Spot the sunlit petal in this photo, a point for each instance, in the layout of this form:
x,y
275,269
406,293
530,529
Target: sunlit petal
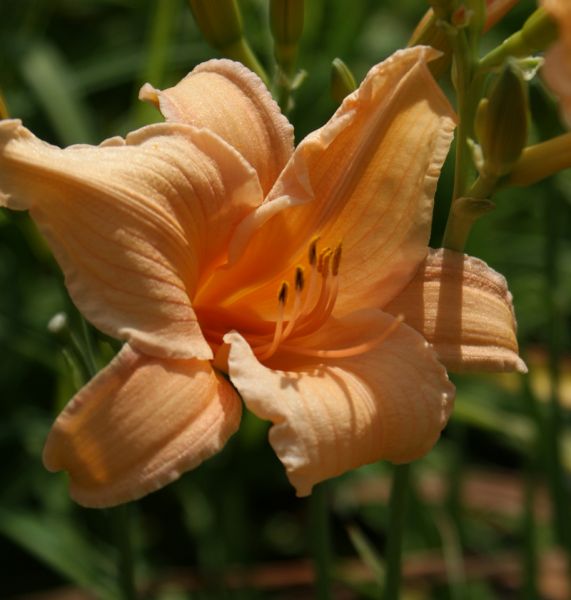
x,y
330,415
231,101
367,179
134,224
140,424
465,310
557,67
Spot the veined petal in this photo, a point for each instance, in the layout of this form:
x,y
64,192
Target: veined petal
x,y
465,310
557,67
138,425
334,414
230,100
135,224
367,179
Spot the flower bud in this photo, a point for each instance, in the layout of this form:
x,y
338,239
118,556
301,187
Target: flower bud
x,y
220,22
441,7
502,121
342,80
286,24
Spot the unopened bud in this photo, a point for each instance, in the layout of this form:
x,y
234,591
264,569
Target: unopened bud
x,y
502,122
442,7
342,80
286,23
478,12
220,22
431,31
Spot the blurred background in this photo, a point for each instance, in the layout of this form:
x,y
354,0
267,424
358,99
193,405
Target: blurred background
x,y
488,514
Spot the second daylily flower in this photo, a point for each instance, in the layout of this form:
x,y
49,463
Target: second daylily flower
x,y
212,248
557,67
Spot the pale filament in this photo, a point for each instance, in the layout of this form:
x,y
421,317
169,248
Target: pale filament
x,y
308,313
271,349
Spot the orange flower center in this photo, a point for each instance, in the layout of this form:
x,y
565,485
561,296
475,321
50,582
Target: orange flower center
x,y
305,303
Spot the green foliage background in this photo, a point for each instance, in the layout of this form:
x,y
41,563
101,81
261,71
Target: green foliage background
x,y
71,70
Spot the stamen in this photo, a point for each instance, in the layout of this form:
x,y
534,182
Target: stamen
x,y
312,254
321,259
267,351
336,260
280,333
311,307
351,350
283,293
299,279
326,261
327,295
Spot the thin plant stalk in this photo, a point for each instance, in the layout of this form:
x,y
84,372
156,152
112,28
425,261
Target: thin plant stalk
x,y
321,540
120,516
397,513
162,21
121,522
530,551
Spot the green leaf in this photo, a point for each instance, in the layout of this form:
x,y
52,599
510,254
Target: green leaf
x,y
50,77
367,552
57,542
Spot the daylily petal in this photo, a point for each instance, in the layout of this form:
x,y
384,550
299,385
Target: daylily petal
x,y
230,100
366,179
464,309
334,414
138,425
135,224
557,67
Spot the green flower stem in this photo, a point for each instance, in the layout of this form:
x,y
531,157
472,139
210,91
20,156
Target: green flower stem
x,y
161,23
466,111
397,512
464,212
321,540
529,550
530,536
536,34
283,90
88,349
242,52
121,520
468,83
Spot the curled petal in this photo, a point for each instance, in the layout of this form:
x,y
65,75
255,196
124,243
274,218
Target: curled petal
x,y
135,224
230,100
138,425
330,415
465,310
366,179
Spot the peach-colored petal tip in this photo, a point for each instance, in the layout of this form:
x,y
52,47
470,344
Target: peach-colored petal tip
x,y
138,425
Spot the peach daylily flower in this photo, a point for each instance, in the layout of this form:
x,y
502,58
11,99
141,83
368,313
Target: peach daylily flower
x,y
217,253
557,67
